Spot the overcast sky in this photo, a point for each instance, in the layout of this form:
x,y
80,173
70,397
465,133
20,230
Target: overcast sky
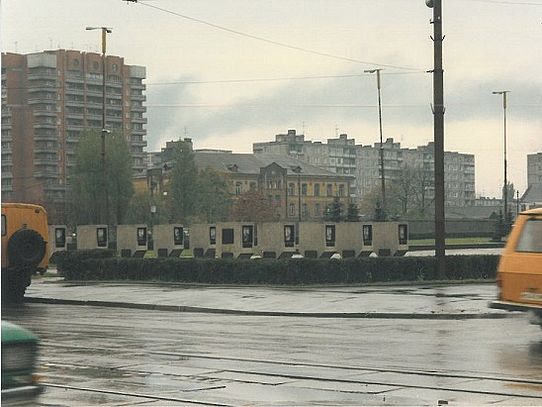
x,y
315,51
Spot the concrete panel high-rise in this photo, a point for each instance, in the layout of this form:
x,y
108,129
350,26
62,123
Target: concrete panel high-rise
x,y
342,156
534,169
48,99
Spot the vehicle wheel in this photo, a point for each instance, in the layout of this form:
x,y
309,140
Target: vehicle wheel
x,y
26,247
13,292
18,294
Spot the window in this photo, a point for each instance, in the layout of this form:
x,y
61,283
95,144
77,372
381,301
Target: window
x,y
253,186
403,234
330,235
531,237
278,201
305,211
317,210
341,190
291,209
227,236
291,189
304,189
316,189
238,186
367,231
247,235
329,190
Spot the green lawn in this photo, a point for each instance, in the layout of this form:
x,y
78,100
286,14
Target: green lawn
x,y
451,241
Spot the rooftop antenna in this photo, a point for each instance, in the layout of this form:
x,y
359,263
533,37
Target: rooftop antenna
x,y
336,130
303,127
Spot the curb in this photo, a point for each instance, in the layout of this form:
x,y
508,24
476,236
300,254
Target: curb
x,y
202,310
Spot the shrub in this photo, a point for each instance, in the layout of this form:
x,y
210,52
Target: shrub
x,y
102,265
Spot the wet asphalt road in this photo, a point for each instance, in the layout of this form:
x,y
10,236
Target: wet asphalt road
x,y
115,356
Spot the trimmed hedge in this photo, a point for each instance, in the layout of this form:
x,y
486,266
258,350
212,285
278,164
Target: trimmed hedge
x,y
68,259
277,272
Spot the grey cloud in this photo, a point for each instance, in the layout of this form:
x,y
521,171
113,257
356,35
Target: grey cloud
x,y
406,100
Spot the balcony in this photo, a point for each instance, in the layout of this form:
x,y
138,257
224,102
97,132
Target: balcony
x,y
45,137
139,131
75,115
44,113
74,91
43,88
45,161
42,75
70,77
46,149
139,143
32,100
142,120
45,126
138,97
44,174
138,108
74,102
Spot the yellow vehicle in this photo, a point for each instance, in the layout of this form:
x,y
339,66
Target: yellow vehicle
x,y
24,247
519,275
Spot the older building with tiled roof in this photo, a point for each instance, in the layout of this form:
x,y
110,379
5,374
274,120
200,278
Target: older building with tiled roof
x,y
294,188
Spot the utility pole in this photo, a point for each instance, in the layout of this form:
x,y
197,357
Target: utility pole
x,y
105,31
382,178
505,189
438,122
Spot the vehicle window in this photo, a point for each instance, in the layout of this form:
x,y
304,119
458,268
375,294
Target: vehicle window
x,y
531,237
3,225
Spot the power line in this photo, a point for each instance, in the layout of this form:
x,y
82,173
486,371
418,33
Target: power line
x,y
293,78
222,106
506,2
241,80
277,43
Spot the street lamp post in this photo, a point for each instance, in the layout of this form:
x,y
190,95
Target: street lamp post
x,y
105,31
505,190
438,137
382,179
297,170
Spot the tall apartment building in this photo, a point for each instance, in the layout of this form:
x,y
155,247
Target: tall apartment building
x,y
48,99
342,156
534,168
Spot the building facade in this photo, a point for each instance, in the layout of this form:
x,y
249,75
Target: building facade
x,y
534,168
295,189
337,156
48,99
342,156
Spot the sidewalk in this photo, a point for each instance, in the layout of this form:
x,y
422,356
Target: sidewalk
x,y
437,302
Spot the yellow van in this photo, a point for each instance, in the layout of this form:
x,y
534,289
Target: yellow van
x,y
24,247
519,275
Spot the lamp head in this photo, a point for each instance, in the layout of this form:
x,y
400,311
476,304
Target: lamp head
x,y
429,3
